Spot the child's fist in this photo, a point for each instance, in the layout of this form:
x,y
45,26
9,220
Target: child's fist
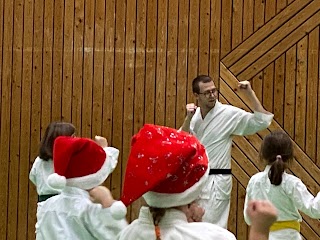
x,y
101,141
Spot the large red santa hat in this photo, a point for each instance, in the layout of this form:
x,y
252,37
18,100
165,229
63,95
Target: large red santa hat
x,y
165,166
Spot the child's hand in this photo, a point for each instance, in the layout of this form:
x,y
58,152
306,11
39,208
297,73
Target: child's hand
x,y
101,141
262,215
101,195
194,213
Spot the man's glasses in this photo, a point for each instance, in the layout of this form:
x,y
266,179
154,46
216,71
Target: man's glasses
x,y
207,94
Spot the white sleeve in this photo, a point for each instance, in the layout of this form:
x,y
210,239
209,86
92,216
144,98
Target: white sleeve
x,y
33,172
249,123
101,223
112,158
246,201
305,201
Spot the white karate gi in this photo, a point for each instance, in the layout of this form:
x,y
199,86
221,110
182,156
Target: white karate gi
x,y
173,225
289,197
71,215
215,132
38,175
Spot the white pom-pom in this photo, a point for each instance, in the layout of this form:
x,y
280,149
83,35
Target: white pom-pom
x,y
56,181
118,210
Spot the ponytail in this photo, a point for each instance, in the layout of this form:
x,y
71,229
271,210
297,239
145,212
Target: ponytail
x,y
157,214
276,171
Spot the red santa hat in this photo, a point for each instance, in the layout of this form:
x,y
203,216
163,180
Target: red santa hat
x,y
167,167
82,163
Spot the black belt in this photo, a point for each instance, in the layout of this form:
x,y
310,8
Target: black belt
x,y
42,198
219,171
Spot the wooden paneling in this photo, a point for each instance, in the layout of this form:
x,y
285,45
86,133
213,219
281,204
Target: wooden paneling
x,y
111,66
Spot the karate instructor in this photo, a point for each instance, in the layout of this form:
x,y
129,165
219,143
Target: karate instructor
x,y
214,124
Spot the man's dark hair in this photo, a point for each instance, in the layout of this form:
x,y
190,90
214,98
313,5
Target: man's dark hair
x,y
197,80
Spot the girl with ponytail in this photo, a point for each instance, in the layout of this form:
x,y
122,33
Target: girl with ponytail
x,y
287,192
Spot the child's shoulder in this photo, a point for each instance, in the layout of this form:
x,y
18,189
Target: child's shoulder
x,y
290,178
258,175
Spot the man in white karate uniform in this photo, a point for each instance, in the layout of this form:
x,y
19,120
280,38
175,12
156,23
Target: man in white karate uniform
x,y
214,124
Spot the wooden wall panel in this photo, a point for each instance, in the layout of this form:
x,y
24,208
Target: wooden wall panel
x,y
171,83
6,79
111,66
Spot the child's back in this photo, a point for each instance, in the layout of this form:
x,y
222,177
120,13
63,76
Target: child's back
x,y
83,210
287,192
43,164
72,215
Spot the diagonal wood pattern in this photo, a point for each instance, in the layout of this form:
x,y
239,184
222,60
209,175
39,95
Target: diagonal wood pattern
x,y
111,66
247,60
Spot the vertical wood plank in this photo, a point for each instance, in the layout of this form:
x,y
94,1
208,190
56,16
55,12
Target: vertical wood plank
x,y
37,64
270,9
118,92
281,4
88,65
259,7
5,114
232,221
215,43
237,23
248,7
67,68
151,61
318,122
171,76
15,102
1,43
46,87
290,85
139,83
300,113
256,84
129,79
193,46
311,93
279,83
182,67
204,36
24,225
98,64
268,76
226,27
108,76
57,61
242,229
162,39
78,48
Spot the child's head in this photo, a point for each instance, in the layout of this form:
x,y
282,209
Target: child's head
x,y
167,167
54,130
276,150
81,163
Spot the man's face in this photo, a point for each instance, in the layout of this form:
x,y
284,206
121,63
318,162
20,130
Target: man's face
x,y
207,95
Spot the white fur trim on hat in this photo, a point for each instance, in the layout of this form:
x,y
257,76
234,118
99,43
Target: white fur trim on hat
x,y
167,200
96,179
56,181
118,210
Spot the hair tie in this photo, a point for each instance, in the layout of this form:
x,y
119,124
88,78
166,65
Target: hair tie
x,y
157,230
278,157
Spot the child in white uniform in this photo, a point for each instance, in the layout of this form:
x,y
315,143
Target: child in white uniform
x,y
169,169
43,164
287,192
84,209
